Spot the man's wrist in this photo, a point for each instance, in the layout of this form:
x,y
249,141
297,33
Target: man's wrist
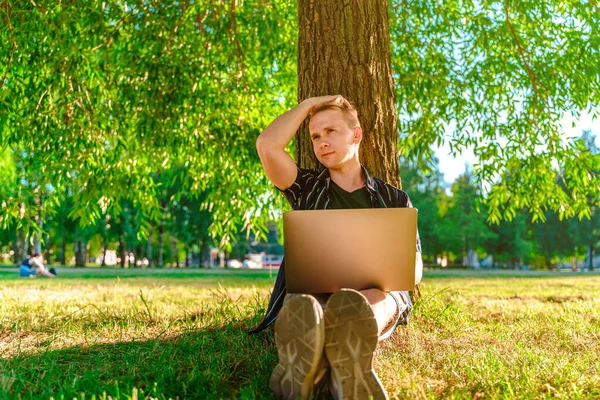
x,y
310,102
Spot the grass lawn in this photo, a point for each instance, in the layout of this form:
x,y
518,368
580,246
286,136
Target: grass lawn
x,y
183,335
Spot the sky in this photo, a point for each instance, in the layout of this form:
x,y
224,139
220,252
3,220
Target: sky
x,y
452,167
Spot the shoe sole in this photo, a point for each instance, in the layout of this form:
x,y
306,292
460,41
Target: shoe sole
x,y
299,336
351,336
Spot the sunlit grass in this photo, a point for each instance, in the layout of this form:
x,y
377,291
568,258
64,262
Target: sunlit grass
x,y
184,336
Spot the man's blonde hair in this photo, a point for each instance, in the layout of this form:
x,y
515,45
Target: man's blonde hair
x,y
347,108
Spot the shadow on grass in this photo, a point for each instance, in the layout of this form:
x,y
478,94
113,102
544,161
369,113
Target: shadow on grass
x,y
215,362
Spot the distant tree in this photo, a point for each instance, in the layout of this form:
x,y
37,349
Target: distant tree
x,y
511,243
589,229
191,228
469,228
553,238
8,189
425,188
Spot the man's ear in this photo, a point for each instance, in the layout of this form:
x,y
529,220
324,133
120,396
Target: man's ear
x,y
358,134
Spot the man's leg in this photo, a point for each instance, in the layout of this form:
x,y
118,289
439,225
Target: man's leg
x,y
384,307
299,336
353,323
391,309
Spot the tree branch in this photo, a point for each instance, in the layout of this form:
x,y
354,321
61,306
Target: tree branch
x,y
13,47
234,37
108,40
532,76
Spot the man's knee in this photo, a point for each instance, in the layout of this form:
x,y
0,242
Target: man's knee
x,y
374,296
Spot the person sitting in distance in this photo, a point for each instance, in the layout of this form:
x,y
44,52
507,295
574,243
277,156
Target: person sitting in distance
x,y
34,266
313,332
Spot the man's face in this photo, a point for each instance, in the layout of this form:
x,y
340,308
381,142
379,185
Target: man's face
x,y
334,142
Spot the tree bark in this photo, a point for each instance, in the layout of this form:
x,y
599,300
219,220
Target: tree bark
x,y
344,48
63,247
161,234
591,243
174,252
47,247
104,249
87,252
80,252
18,246
122,251
203,250
26,247
37,242
149,248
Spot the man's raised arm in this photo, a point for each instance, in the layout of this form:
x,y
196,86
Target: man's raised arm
x,y
279,166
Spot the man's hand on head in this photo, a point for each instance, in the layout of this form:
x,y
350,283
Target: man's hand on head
x,y
317,101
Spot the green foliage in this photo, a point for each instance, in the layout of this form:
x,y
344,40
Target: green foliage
x,y
469,228
497,78
511,243
8,174
426,191
98,99
106,94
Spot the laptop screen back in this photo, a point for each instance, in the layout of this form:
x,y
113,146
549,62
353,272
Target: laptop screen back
x,y
327,250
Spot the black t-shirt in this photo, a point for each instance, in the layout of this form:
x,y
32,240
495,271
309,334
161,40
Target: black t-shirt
x,y
28,263
341,199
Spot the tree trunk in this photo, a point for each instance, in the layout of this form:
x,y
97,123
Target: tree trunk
x,y
138,254
63,247
149,248
80,252
104,231
344,48
37,243
122,251
26,239
203,250
47,247
161,234
18,246
466,253
104,249
591,243
174,252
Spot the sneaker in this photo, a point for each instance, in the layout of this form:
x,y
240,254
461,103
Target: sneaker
x,y
351,336
299,336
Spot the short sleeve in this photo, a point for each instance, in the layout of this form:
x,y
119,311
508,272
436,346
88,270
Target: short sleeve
x,y
293,194
408,204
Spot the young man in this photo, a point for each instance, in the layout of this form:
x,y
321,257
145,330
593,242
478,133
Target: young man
x,y
337,332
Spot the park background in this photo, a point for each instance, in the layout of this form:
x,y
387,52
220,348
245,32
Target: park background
x,y
131,127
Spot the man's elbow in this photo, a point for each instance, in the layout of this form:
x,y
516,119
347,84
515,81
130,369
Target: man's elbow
x,y
418,268
266,147
262,144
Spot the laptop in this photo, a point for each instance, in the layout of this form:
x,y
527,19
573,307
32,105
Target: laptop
x,y
327,250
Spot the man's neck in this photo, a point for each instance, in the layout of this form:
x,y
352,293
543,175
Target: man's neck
x,y
349,177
